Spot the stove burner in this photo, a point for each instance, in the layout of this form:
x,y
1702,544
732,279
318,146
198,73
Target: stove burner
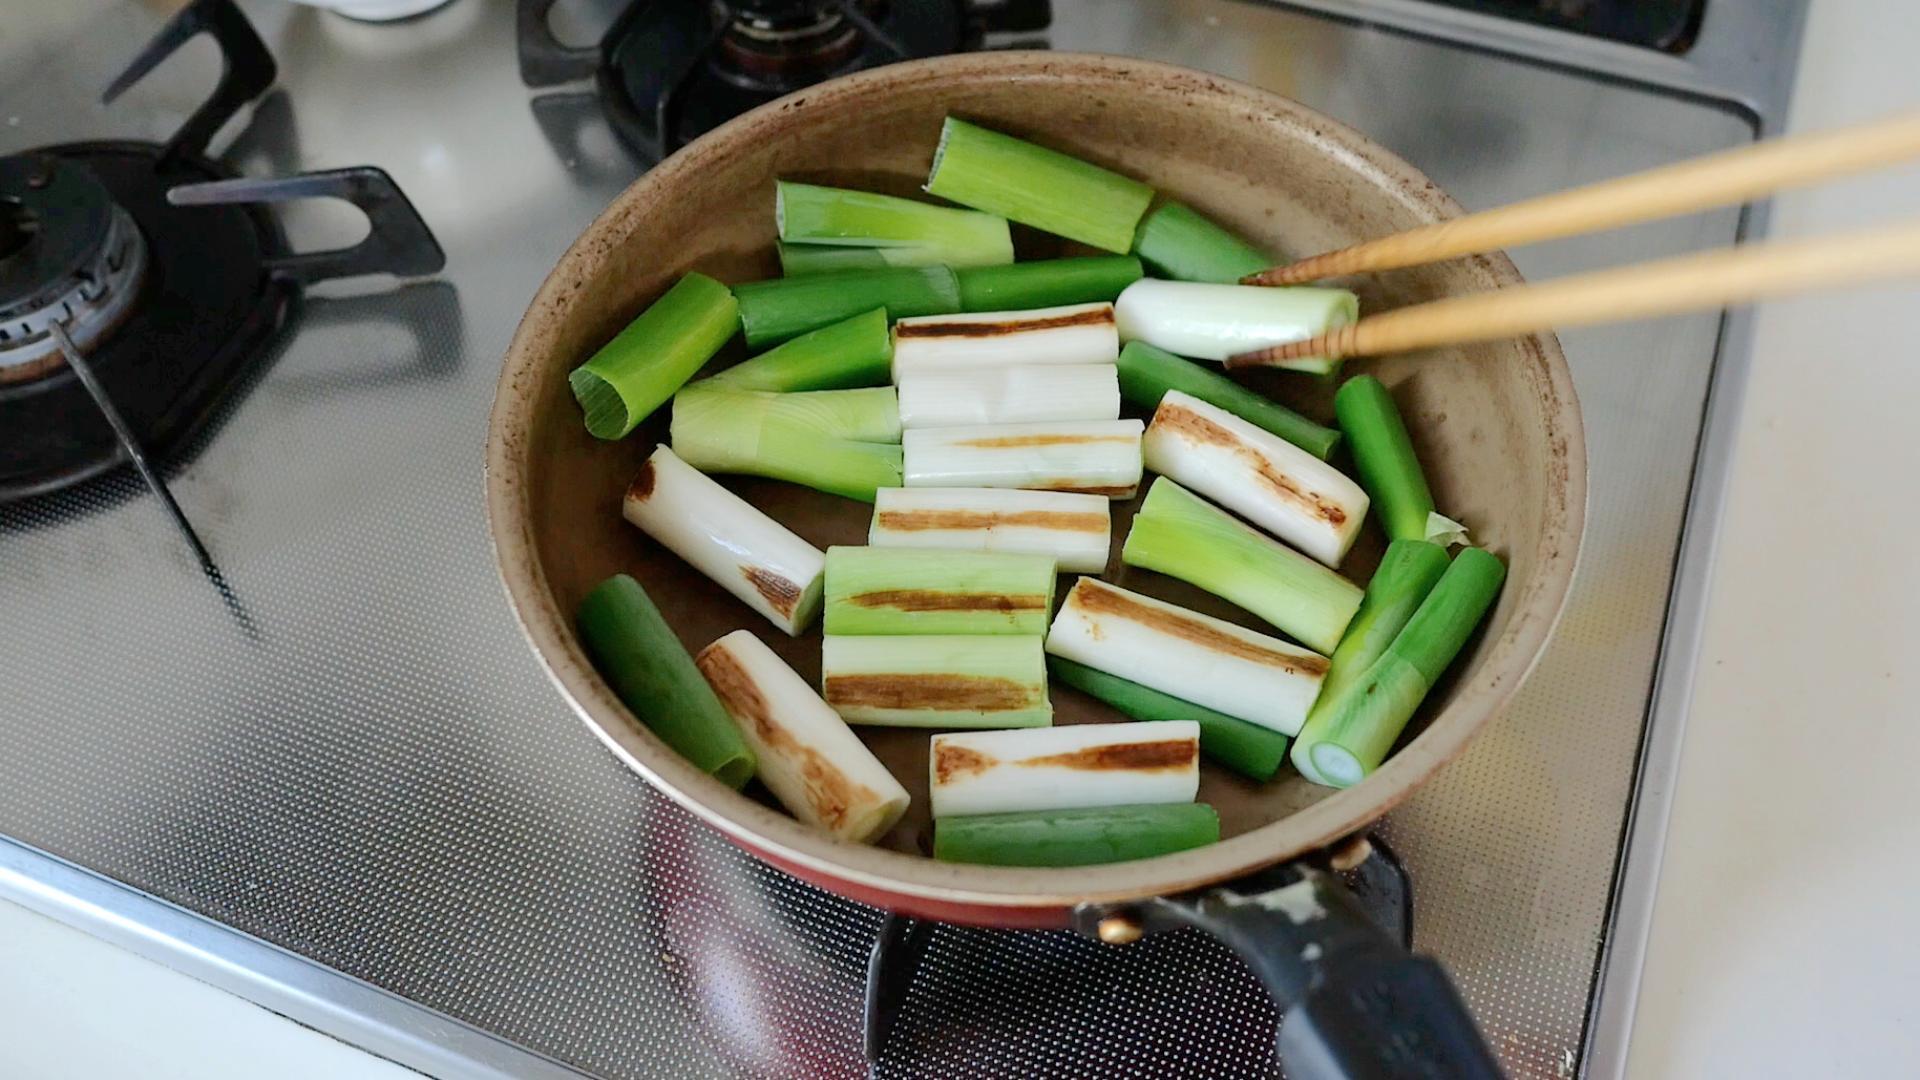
x,y
668,72
69,254
165,277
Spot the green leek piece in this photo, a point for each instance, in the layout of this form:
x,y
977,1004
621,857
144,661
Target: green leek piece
x,y
947,681
1147,373
1248,749
1084,837
1182,535
838,441
852,352
1035,186
1047,283
798,260
1181,244
1352,734
881,590
643,365
811,214
1383,456
641,658
774,310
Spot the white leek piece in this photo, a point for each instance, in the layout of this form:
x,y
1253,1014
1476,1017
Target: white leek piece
x,y
1256,474
811,761
938,681
951,397
1193,657
1074,334
724,537
1064,768
1213,322
1074,529
1099,457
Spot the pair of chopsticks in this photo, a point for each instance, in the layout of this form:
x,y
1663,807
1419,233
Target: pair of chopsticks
x,y
1688,283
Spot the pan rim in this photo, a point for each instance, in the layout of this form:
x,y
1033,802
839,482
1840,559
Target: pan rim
x,y
913,877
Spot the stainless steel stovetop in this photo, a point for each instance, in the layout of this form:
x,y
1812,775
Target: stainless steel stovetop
x,y
378,818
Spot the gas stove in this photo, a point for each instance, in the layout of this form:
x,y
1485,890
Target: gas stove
x,y
365,808
667,72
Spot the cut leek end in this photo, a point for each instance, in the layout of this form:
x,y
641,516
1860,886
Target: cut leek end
x,y
1445,531
1346,312
606,411
1336,765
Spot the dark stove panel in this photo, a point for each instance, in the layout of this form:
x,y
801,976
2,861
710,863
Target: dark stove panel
x,y
1667,25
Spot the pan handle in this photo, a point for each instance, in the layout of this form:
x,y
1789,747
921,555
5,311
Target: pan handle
x,y
1355,1003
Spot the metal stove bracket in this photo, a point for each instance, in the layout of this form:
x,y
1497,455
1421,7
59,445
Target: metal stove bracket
x,y
397,243
246,70
544,61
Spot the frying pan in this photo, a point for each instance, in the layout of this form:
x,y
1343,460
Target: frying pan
x,y
1496,425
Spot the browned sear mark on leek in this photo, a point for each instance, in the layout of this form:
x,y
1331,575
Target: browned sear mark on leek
x,y
1099,316
642,487
925,520
1099,600
1010,442
1162,756
780,593
830,794
933,600
956,693
1111,491
950,761
1185,421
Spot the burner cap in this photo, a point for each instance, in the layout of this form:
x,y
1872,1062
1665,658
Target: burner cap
x,y
68,254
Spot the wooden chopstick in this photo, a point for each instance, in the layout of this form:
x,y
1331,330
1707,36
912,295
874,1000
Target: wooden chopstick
x,y
1723,179
1707,280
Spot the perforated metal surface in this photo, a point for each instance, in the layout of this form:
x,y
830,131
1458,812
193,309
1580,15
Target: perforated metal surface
x,y
383,782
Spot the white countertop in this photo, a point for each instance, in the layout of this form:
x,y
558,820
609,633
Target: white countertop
x,y
1781,942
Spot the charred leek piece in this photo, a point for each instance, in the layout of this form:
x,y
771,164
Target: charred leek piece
x,y
780,308
637,653
852,352
643,365
1256,474
1061,768
838,441
1098,457
1213,322
1046,282
1352,735
1181,244
811,214
1085,837
1069,528
1248,749
1147,373
1009,395
1049,190
936,681
724,537
878,590
1179,534
1383,455
1079,334
811,761
1194,657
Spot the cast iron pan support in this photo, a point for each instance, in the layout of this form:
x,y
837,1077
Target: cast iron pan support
x,y
246,70
398,241
1355,1003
